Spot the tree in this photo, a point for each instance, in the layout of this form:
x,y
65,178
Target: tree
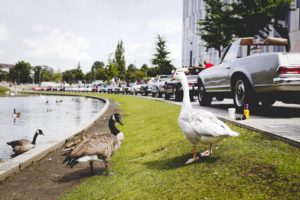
x,y
73,75
152,71
20,73
212,29
47,73
120,60
160,57
37,74
254,17
98,65
130,73
242,18
3,75
57,76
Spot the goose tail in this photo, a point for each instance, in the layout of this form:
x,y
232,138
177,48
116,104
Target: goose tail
x,y
71,161
234,134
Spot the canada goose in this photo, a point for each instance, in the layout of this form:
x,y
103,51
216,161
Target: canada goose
x,y
23,145
98,147
199,126
16,114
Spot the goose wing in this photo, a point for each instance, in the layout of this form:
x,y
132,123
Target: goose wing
x,y
205,123
101,145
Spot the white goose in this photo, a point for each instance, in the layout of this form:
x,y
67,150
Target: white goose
x,y
199,126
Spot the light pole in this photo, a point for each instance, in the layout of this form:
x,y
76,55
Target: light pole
x,y
18,80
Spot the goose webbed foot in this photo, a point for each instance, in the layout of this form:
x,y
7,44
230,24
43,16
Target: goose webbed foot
x,y
205,153
191,160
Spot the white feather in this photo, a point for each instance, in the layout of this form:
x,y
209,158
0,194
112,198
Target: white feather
x,y
199,125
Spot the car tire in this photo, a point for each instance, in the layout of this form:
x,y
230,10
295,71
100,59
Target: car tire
x,y
153,94
159,95
203,98
220,98
243,93
167,96
178,95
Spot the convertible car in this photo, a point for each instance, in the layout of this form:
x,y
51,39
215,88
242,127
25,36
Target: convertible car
x,y
253,72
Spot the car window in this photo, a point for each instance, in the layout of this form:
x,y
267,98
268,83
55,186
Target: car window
x,y
232,53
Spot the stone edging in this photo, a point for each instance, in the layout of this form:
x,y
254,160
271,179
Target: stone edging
x,y
26,159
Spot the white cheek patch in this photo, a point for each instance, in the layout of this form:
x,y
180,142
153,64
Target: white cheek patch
x,y
113,118
120,136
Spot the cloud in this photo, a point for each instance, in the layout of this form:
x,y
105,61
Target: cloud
x,y
4,33
64,45
138,54
166,26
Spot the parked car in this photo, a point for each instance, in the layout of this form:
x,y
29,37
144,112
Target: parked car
x,y
146,88
136,88
250,74
174,88
157,88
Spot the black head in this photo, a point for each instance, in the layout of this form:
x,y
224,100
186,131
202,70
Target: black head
x,y
117,118
40,132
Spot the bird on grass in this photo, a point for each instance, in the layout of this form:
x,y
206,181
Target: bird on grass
x,y
23,145
199,126
98,147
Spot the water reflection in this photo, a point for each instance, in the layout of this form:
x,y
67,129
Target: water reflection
x,y
53,114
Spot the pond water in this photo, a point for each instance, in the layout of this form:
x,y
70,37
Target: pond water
x,y
54,115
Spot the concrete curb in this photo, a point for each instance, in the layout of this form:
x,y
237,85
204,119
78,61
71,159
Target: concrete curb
x,y
270,134
24,160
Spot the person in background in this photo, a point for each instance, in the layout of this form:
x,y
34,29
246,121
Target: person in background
x,y
207,64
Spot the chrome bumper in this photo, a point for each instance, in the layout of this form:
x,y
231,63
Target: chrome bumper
x,y
286,84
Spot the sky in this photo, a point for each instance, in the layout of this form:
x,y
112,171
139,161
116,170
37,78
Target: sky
x,y
62,33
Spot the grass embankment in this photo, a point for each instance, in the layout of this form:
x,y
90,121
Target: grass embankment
x,y
150,163
3,89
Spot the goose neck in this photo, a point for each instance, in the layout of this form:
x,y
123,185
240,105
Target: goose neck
x,y
34,138
186,93
112,127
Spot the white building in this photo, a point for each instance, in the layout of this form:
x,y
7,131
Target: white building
x,y
193,48
293,22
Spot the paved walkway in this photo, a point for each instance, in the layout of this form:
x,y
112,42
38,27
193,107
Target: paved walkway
x,y
281,120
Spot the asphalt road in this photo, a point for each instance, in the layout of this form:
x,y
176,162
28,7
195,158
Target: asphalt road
x,y
281,120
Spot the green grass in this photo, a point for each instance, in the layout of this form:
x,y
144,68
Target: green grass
x,y
150,163
3,89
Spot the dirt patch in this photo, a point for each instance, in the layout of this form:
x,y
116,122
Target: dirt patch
x,y
49,178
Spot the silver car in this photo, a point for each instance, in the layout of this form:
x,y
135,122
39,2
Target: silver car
x,y
250,74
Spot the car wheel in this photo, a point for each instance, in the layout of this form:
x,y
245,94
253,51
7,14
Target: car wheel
x,y
203,98
243,94
220,98
267,102
153,94
167,96
159,94
178,95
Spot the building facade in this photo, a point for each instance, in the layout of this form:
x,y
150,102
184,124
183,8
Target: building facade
x,y
293,23
193,48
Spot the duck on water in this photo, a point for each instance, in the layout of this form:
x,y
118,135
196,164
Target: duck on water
x,y
23,145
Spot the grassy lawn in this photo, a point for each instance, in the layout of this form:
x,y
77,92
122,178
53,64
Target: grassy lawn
x,y
3,89
150,163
